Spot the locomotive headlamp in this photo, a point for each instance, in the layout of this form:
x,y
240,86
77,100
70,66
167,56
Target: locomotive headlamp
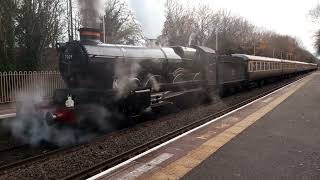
x,y
69,102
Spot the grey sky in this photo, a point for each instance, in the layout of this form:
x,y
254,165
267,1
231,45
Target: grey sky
x,y
283,16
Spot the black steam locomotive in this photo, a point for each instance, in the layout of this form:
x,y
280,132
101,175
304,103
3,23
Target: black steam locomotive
x,y
131,79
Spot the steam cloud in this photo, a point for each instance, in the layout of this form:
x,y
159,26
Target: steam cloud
x,y
91,11
31,128
126,74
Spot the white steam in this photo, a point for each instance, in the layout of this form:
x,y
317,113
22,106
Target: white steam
x,y
91,12
126,74
31,128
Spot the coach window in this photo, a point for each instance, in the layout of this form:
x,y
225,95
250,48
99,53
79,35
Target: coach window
x,y
253,66
260,66
265,66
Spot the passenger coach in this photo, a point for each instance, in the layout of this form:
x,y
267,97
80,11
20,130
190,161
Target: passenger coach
x,y
239,70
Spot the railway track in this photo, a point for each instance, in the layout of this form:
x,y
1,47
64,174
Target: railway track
x,y
109,163
22,154
4,150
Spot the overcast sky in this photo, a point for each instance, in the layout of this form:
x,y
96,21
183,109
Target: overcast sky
x,y
283,16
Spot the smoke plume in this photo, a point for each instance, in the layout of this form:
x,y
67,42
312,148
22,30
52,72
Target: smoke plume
x,y
91,12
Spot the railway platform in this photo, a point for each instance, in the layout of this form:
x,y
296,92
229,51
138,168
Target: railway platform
x,y
274,137
7,110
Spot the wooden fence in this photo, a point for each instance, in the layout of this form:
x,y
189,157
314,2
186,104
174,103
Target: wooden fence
x,y
41,83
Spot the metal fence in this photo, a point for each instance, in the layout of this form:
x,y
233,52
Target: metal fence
x,y
41,83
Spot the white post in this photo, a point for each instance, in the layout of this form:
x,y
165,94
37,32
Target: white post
x,y
217,41
273,53
104,29
71,19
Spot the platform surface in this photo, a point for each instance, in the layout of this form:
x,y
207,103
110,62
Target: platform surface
x,y
284,144
275,137
7,110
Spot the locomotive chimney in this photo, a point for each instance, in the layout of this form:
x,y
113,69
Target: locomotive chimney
x,y
89,34
91,12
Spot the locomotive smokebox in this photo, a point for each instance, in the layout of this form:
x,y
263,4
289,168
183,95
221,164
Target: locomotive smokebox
x,y
90,35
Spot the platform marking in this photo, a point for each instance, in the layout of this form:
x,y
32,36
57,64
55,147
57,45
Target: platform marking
x,y
182,166
146,167
108,171
207,135
268,100
6,116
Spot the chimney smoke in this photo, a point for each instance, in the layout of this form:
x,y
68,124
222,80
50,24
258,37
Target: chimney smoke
x,y
91,12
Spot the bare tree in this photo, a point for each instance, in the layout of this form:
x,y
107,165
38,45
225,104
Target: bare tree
x,y
179,26
7,29
315,15
120,24
38,27
185,26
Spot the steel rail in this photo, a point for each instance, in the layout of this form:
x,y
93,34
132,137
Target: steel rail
x,y
31,159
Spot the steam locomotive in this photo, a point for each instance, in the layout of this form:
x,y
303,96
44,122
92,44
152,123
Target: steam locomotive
x,y
131,79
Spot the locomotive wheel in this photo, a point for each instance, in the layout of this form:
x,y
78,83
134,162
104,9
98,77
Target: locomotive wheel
x,y
196,77
223,91
178,78
178,71
153,81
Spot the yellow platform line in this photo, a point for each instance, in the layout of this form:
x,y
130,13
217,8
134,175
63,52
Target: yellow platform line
x,y
182,166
